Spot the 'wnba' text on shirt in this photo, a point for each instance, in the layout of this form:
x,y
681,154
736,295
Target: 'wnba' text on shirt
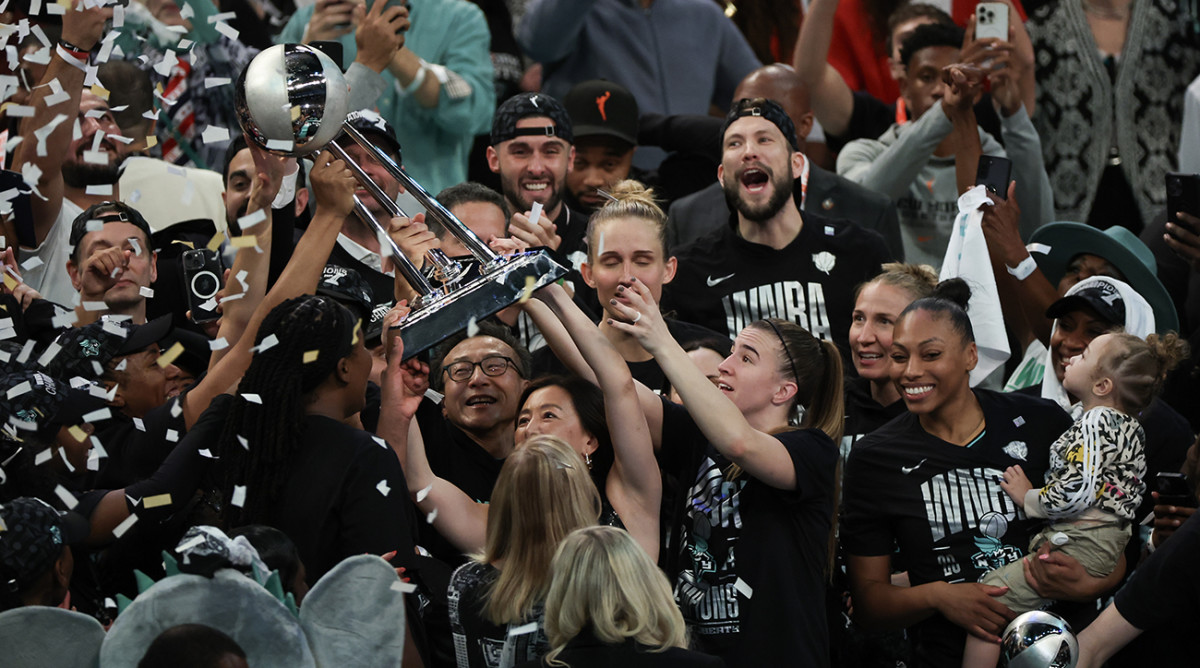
x,y
787,300
963,499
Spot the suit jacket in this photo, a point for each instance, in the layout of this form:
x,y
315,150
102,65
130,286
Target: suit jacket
x,y
585,651
829,195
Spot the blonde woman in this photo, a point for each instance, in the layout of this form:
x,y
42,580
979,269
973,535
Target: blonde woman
x,y
608,605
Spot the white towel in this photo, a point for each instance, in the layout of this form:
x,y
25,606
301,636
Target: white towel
x,y
967,258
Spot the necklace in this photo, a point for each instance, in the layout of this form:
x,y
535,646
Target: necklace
x,y
1108,13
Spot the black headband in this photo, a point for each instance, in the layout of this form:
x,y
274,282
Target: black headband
x,y
782,342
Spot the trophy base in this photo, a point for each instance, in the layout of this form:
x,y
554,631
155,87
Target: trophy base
x,y
439,318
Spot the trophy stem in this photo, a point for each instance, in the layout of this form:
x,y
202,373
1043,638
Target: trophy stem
x,y
433,208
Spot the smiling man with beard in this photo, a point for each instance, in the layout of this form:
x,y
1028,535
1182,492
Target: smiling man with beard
x,y
771,260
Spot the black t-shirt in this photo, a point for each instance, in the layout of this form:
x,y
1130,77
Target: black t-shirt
x,y
725,282
767,607
345,496
941,505
138,446
863,414
479,642
648,372
1162,598
454,457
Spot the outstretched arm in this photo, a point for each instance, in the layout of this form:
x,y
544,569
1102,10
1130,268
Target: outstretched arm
x,y
760,454
831,98
634,485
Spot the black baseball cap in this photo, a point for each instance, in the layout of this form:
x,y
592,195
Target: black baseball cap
x,y
32,539
529,105
86,351
768,109
34,401
107,212
349,288
370,123
1103,297
602,108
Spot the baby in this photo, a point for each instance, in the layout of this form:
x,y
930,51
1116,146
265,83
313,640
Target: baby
x,y
1094,484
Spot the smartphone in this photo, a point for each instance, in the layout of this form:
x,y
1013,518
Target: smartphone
x,y
993,173
332,49
1173,490
202,272
991,20
1183,194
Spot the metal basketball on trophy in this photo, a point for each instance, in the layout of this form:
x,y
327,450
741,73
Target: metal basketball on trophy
x,y
1039,639
292,100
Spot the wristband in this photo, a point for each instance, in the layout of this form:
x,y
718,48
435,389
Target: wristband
x,y
74,49
418,79
79,62
1024,269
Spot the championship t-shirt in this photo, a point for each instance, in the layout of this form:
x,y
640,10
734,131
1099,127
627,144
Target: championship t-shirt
x,y
863,414
725,282
480,642
941,506
752,558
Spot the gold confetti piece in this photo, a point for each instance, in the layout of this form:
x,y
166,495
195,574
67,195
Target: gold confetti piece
x,y
295,112
9,282
355,334
151,141
156,501
100,91
528,291
215,242
311,356
77,433
244,241
169,356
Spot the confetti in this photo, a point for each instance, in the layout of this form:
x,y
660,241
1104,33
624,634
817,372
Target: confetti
x,y
530,282
62,454
1019,420
146,292
383,487
218,344
382,443
431,516
66,497
252,398
137,246
156,501
277,145
204,452
422,494
472,327
77,433
102,92
95,306
239,496
311,356
97,415
124,526
176,407
745,589
251,219
151,140
268,343
244,241
213,82
227,30
95,157
403,587
214,134
172,436
138,424
43,457
50,353
19,389
245,443
168,357
93,225
524,629
18,110
535,213
100,189
32,263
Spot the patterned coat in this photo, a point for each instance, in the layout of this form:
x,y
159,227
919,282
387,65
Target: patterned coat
x,y
1079,107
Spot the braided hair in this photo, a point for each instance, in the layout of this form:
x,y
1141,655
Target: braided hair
x,y
284,376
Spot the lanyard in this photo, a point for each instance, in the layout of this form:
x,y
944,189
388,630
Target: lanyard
x,y
803,181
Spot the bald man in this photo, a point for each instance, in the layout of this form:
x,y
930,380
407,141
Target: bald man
x,y
830,195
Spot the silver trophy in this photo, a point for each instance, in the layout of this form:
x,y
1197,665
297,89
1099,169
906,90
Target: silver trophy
x,y
292,100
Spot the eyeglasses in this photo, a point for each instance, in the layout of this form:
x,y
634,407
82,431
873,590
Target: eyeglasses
x,y
492,365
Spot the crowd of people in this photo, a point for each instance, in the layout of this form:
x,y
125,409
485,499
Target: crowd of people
x,y
817,387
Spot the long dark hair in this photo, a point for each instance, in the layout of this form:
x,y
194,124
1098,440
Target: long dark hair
x,y
284,382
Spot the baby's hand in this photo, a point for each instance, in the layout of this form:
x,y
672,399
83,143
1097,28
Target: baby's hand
x,y
1015,484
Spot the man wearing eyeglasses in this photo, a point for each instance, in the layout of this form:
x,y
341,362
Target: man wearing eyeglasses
x,y
470,434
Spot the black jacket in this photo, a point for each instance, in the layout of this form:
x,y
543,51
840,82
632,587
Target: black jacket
x,y
585,651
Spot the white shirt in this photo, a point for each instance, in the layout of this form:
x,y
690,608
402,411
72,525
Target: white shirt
x,y
50,277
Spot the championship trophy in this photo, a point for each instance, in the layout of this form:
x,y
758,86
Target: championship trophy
x,y
292,100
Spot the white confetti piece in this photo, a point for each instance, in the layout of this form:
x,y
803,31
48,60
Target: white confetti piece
x,y
252,398
189,544
137,245
213,82
251,219
176,408
1038,248
382,443
93,225
97,415
146,292
95,157
535,213
1019,420
745,589
164,66
94,306
19,389
383,487
62,454
66,497
209,305
276,145
49,354
172,436
227,30
431,516
239,496
218,344
205,453
43,457
403,587
523,629
19,111
268,343
472,327
214,134
124,526
423,493
32,263
101,189
138,424
244,442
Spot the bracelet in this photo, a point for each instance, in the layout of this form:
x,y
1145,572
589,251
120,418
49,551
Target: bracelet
x,y
418,78
78,62
74,49
1024,269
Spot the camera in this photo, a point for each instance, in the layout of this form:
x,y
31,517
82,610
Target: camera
x,y
202,273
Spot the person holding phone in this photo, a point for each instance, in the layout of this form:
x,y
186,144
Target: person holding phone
x,y
424,64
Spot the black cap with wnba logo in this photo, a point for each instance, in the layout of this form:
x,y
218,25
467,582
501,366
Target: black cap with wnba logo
x,y
528,105
603,108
